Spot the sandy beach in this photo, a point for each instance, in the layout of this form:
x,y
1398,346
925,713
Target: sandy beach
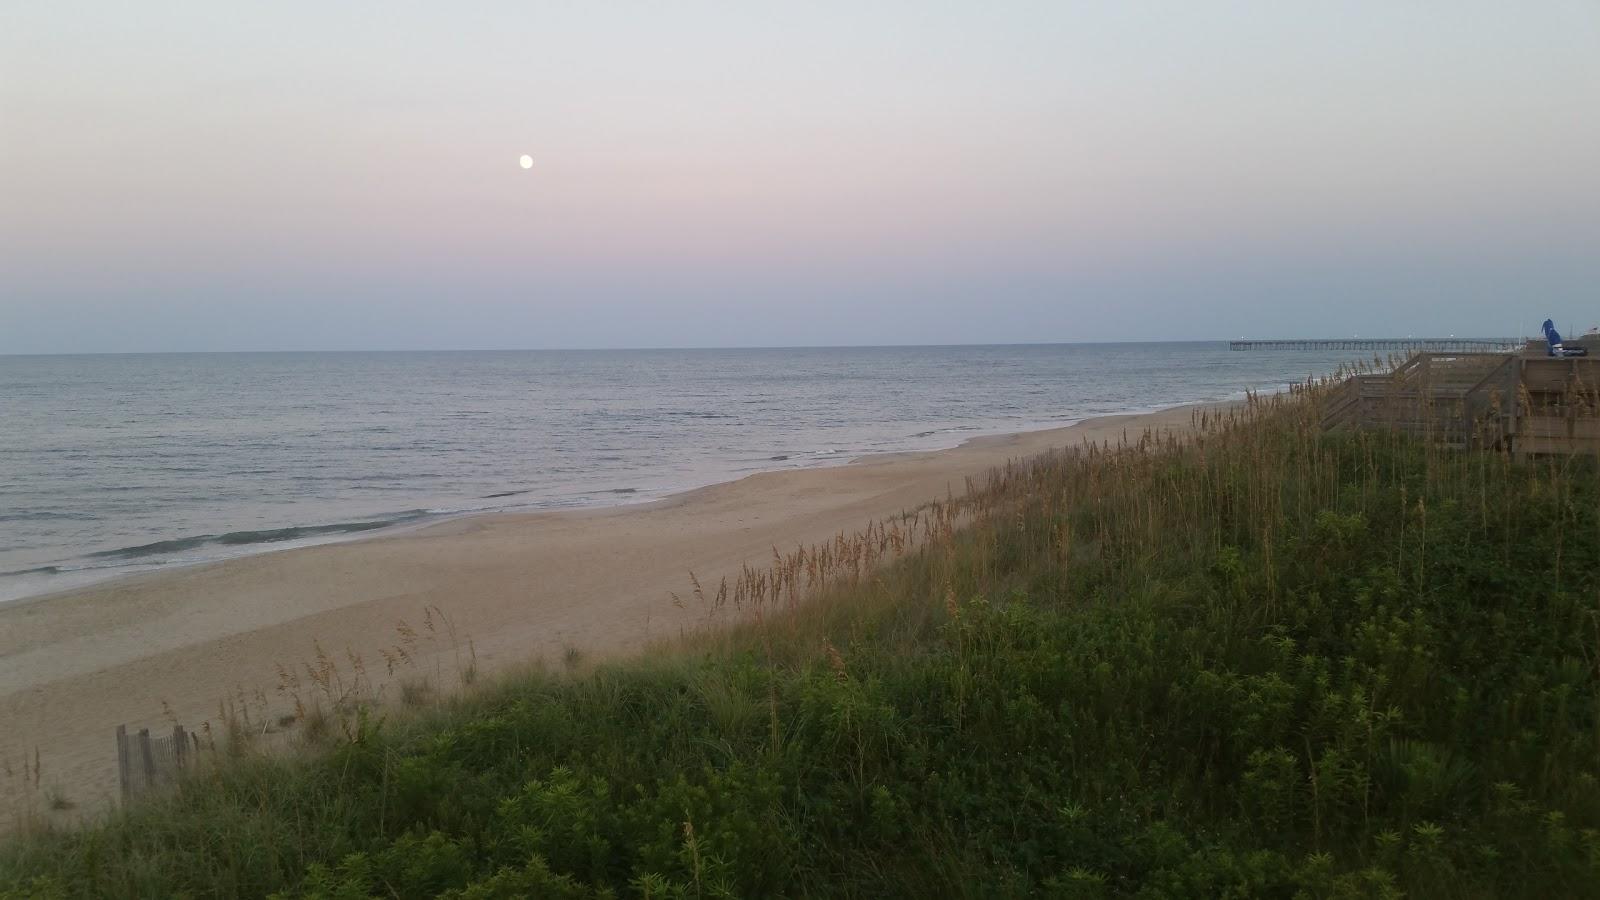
x,y
170,646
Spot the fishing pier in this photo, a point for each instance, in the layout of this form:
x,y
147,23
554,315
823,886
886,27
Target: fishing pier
x,y
1388,345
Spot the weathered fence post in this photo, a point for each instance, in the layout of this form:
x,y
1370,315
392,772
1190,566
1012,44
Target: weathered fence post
x,y
122,761
149,758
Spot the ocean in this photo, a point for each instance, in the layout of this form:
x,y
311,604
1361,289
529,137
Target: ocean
x,y
120,464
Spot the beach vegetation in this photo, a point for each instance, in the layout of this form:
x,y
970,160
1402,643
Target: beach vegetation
x,y
1261,660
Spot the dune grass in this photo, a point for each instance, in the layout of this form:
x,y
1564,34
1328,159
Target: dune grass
x,y
1268,662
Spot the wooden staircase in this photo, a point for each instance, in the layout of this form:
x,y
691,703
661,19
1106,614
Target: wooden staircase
x,y
1525,404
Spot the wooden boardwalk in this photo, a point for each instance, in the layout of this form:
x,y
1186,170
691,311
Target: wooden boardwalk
x,y
1509,401
1392,345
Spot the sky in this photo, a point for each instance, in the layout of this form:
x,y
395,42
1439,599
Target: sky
x,y
180,176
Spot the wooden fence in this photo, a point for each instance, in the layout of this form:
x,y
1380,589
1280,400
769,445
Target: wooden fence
x,y
146,762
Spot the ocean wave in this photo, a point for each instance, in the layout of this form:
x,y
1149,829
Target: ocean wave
x,y
265,536
37,570
409,476
46,516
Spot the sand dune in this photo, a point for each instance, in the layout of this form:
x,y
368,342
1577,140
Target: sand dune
x,y
73,666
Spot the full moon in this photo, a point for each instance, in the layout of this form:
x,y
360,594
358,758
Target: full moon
x,y
527,161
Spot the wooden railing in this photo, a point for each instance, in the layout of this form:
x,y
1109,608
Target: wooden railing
x,y
1524,404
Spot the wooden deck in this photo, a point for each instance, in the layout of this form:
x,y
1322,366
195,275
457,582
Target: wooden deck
x,y
1510,401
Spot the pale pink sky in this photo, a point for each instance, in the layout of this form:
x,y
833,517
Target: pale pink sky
x,y
191,176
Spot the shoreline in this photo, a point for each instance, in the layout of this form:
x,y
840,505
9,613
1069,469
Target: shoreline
x,y
168,646
92,577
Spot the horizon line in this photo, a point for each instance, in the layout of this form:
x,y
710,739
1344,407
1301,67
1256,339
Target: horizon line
x,y
605,349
